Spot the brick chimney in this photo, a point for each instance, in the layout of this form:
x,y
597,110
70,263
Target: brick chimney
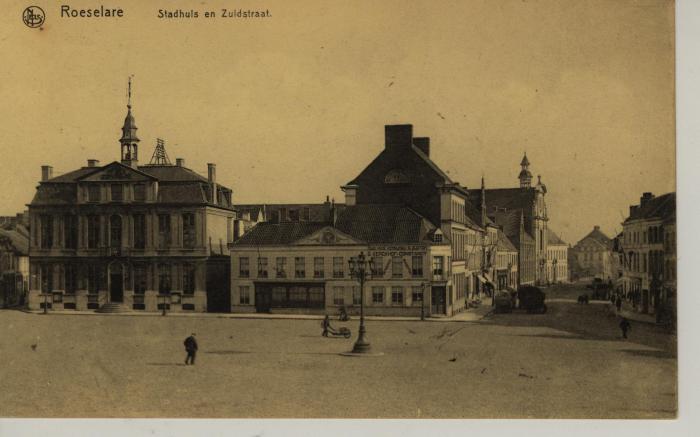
x,y
423,143
398,136
180,162
46,172
646,197
211,168
596,228
93,162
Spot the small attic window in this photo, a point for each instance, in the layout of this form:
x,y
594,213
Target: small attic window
x,y
396,177
437,237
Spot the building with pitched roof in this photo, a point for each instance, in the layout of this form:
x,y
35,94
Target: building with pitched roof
x,y
14,263
130,236
506,263
285,266
648,245
557,258
251,214
403,174
594,257
507,207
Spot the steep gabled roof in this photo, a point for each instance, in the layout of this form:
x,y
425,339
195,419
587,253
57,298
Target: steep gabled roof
x,y
504,244
553,239
509,221
367,223
72,176
172,173
660,207
438,171
598,236
384,224
164,173
278,234
507,198
177,184
18,238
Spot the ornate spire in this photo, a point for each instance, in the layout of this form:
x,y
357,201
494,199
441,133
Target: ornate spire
x,y
525,176
129,128
129,140
525,161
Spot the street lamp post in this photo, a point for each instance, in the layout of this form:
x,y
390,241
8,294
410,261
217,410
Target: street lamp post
x,y
361,270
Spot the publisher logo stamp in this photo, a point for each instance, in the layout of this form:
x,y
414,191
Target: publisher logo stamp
x,y
33,16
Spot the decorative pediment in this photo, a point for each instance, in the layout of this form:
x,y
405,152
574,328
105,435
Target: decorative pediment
x,y
328,236
116,172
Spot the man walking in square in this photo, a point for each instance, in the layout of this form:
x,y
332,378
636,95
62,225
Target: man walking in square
x,y
191,348
624,327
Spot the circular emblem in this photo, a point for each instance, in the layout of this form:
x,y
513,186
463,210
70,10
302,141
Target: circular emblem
x,y
33,16
328,237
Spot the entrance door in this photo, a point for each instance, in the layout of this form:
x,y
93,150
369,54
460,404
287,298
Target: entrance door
x,y
116,286
438,300
263,299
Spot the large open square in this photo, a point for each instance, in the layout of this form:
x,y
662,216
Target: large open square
x,y
570,362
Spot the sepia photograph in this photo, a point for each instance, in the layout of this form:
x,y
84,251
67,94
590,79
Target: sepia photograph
x,y
339,210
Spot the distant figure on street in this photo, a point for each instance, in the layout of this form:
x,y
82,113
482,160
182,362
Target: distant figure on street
x,y
625,326
325,324
191,348
618,303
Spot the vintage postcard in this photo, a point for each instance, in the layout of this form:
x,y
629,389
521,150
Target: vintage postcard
x,y
320,209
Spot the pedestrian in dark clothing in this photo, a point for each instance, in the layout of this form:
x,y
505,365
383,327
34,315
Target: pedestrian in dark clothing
x,y
618,303
625,326
325,324
191,348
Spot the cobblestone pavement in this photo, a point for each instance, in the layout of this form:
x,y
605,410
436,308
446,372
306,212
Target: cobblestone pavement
x,y
570,362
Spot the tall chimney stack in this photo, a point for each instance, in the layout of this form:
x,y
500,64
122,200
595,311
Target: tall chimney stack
x,y
423,143
646,197
212,182
398,136
46,172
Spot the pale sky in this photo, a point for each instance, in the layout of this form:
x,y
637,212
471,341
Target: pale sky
x,y
293,106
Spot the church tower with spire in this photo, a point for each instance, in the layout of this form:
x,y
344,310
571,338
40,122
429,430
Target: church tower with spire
x,y
525,175
129,141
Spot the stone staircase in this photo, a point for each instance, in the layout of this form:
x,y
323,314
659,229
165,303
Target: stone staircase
x,y
113,307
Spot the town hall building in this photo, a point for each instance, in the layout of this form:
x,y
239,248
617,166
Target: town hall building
x,y
126,236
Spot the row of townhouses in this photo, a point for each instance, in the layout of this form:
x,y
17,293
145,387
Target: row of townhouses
x,y
159,236
647,254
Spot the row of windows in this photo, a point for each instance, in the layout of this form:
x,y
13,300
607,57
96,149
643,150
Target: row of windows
x,y
653,262
556,254
341,297
652,235
339,267
93,277
115,228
